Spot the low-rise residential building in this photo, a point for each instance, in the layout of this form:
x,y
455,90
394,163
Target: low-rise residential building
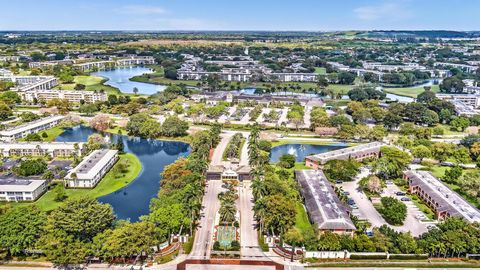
x,y
28,83
21,131
72,96
440,198
92,169
15,190
466,68
461,109
50,63
324,208
358,153
53,149
471,100
237,172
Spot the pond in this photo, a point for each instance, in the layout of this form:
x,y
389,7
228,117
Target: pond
x,y
300,151
133,201
120,78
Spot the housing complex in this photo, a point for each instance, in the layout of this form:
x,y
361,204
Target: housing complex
x,y
359,152
440,198
13,189
72,96
92,169
21,131
324,208
52,149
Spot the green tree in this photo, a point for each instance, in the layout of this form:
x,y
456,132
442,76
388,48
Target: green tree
x,y
421,152
342,170
294,238
393,211
453,174
174,127
33,137
287,161
20,229
460,123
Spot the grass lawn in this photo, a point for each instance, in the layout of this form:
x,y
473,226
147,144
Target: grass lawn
x,y
94,83
301,166
409,91
301,220
321,70
52,133
110,183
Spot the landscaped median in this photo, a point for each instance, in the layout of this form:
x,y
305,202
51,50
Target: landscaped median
x,y
113,180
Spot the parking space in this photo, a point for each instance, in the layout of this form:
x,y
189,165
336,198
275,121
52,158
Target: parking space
x,y
364,209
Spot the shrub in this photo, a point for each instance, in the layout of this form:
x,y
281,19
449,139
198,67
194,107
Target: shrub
x,y
235,245
393,211
368,257
216,245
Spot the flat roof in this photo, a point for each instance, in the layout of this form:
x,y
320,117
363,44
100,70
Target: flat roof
x,y
31,125
336,154
93,163
19,185
447,199
41,145
323,205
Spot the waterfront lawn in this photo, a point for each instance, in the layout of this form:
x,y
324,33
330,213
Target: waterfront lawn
x,y
94,83
110,183
312,142
409,91
52,133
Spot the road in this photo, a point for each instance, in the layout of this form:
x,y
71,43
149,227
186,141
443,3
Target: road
x,y
248,232
204,235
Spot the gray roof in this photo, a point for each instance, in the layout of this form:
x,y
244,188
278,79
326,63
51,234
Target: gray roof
x,y
346,153
448,200
323,205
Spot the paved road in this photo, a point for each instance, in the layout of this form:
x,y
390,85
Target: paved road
x,y
248,232
204,235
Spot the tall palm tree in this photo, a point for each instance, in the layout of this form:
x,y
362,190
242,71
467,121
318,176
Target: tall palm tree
x,y
227,212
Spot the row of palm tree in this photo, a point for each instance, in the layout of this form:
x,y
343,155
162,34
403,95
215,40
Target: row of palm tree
x,y
228,209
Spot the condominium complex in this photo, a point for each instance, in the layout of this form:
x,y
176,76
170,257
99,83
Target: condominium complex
x,y
324,207
49,63
53,149
92,169
15,190
472,100
443,201
28,83
359,152
22,131
72,96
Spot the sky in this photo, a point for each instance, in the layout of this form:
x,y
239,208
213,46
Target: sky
x,y
275,15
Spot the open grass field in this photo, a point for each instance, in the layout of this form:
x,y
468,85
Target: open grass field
x,y
409,91
110,183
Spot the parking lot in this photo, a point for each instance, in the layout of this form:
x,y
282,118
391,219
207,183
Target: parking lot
x,y
363,208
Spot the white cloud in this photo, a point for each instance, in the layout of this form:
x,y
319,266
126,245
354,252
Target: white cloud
x,y
390,11
141,10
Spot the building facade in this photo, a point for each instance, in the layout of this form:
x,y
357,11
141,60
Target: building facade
x,y
92,169
440,198
17,190
72,96
52,149
358,153
18,132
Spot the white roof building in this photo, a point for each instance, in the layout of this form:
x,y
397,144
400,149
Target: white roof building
x,y
22,131
21,189
92,169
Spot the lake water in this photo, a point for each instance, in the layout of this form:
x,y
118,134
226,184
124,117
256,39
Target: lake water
x,y
120,78
300,151
133,201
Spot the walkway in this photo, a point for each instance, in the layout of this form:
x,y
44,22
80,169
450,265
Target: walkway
x,y
248,233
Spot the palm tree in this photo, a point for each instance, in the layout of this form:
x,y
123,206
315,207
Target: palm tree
x,y
227,212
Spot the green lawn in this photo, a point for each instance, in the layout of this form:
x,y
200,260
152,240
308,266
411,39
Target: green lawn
x,y
301,166
110,183
321,70
301,220
409,91
52,133
94,83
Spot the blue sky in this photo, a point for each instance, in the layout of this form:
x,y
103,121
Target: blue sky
x,y
310,15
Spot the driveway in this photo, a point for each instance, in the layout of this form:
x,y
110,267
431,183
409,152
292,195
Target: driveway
x,y
202,245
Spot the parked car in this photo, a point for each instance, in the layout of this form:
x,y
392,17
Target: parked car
x,y
354,206
338,182
405,199
448,164
350,201
346,193
400,193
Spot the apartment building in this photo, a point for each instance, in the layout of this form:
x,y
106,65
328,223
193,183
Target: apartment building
x,y
324,208
21,131
440,198
92,169
52,149
17,190
72,96
358,153
471,100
